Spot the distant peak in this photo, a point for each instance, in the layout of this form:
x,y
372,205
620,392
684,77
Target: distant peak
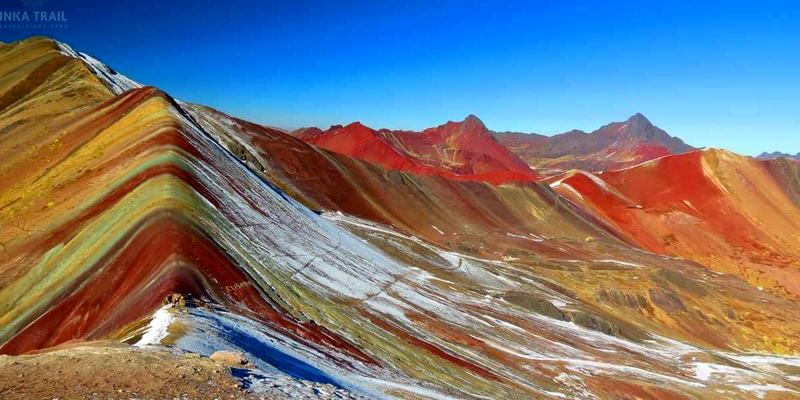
x,y
473,117
640,127
306,132
472,120
639,119
777,154
356,125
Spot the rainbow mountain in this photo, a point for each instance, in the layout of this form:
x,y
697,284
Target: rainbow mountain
x,y
437,266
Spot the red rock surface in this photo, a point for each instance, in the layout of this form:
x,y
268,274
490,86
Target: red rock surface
x,y
463,150
731,213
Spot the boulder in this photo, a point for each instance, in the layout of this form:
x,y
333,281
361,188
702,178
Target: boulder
x,y
229,357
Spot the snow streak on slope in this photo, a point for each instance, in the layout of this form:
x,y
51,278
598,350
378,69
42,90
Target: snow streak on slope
x,y
117,82
636,287
157,329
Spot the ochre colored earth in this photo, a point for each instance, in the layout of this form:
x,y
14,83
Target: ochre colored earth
x,y
108,370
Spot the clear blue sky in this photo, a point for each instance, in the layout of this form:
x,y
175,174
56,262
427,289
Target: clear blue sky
x,y
724,74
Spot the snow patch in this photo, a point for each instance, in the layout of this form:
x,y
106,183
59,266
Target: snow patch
x,y
761,390
115,81
157,329
532,237
618,262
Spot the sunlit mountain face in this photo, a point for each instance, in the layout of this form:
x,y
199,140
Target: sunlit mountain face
x,y
360,262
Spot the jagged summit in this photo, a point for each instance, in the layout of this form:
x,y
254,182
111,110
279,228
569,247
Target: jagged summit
x,y
471,124
639,119
473,119
639,126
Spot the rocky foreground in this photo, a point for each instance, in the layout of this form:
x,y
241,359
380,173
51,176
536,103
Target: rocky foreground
x,y
110,370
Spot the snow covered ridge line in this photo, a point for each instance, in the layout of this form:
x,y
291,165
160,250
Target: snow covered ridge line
x,y
115,81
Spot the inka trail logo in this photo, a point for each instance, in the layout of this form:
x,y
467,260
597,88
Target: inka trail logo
x,y
34,16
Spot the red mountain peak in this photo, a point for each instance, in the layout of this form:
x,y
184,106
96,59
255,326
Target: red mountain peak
x,y
356,125
474,120
462,150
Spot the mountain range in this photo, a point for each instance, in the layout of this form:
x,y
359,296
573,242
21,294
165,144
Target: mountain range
x,y
469,150
613,146
453,262
457,150
778,154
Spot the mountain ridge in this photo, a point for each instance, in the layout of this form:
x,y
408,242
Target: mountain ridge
x,y
778,154
456,149
614,145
